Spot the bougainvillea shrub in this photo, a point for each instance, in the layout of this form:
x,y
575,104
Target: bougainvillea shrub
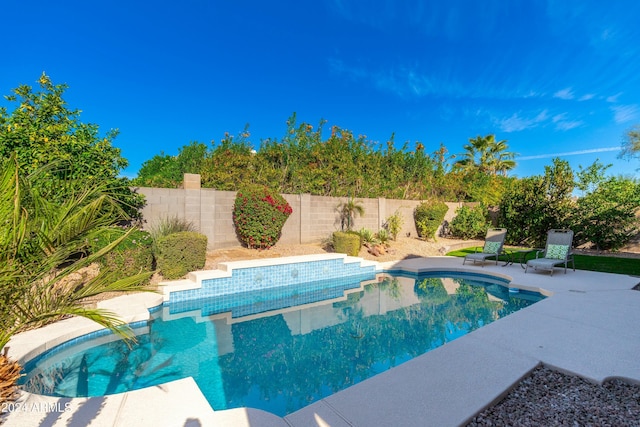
x,y
259,214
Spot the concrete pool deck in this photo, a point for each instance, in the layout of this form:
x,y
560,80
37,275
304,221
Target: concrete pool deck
x,y
588,328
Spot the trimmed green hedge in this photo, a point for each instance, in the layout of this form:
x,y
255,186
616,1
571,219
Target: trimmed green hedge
x,y
346,242
428,217
180,253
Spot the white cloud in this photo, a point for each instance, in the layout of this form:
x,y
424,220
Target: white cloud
x,y
516,123
614,98
339,67
607,34
624,113
401,81
566,93
562,123
587,97
569,153
568,125
559,117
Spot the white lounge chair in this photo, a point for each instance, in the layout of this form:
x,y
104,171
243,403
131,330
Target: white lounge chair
x,y
493,246
557,251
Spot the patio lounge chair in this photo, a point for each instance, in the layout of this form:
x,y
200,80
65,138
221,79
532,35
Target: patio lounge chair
x,y
493,243
557,251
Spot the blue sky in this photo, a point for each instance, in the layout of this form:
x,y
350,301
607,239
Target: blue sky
x,y
550,77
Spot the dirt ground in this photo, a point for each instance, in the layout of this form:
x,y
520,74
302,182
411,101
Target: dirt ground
x,y
404,247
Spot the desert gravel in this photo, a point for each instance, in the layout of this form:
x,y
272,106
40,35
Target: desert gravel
x,y
551,398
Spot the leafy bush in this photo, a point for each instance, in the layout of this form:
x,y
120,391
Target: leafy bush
x,y
394,224
606,217
428,217
132,256
259,215
469,223
346,242
179,253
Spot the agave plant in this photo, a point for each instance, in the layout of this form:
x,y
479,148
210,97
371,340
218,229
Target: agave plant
x,y
44,244
383,236
367,236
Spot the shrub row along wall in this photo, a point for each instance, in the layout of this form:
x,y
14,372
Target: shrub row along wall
x,y
313,219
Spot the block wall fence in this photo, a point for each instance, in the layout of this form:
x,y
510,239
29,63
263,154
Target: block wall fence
x,y
314,218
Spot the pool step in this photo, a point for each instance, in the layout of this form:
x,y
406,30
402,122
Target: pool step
x,y
265,273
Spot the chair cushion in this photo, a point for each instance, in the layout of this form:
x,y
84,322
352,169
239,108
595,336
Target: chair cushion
x,y
557,251
491,247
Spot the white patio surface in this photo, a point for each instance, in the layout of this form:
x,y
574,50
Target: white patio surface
x,y
587,327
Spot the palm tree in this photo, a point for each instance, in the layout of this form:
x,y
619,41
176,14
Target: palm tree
x,y
348,211
43,243
486,155
500,160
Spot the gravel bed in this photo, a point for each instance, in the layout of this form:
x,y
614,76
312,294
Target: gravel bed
x,y
551,398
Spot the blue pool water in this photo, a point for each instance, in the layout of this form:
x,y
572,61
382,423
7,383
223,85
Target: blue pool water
x,y
265,350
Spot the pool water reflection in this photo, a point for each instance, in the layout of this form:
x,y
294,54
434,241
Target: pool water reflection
x,y
282,360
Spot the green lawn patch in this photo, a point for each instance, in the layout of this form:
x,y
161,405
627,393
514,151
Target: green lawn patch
x,y
602,263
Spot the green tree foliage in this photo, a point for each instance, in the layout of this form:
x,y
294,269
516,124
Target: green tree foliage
x,y
41,129
45,243
231,164
259,214
303,161
477,186
606,217
631,143
532,206
291,161
166,171
590,177
469,222
159,171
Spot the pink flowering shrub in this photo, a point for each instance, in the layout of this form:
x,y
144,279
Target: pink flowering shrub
x,y
259,214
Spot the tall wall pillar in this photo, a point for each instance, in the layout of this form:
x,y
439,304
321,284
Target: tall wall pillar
x,y
305,218
192,200
382,211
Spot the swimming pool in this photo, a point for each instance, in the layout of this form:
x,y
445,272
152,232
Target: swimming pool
x,y
288,356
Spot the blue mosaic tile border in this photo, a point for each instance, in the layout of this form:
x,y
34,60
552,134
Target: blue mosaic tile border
x,y
449,273
259,301
272,276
